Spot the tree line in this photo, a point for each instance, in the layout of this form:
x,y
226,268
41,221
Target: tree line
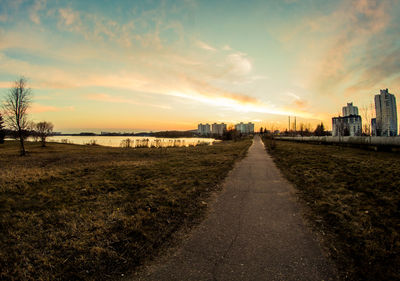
x,y
14,121
304,131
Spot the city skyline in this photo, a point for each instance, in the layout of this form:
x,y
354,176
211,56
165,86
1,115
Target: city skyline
x,y
169,65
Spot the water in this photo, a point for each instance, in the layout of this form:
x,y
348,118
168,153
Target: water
x,y
121,141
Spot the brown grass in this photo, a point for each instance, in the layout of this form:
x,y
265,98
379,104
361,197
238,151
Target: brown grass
x,y
71,212
354,198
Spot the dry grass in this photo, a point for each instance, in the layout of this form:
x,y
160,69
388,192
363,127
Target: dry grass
x,y
71,212
354,198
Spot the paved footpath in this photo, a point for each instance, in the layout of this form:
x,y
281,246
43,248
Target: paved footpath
x,y
254,231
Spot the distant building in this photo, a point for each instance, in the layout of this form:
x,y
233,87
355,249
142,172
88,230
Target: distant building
x,y
218,129
349,109
203,129
245,128
386,114
348,125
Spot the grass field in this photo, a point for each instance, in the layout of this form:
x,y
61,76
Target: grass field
x,y
354,200
70,212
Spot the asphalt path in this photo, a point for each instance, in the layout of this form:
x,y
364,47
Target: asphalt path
x,y
254,231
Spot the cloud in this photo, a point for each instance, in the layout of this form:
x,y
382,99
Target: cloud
x,y
233,103
34,10
5,84
297,104
204,46
98,28
39,108
346,52
68,17
290,94
239,64
143,70
377,70
194,83
357,26
300,104
117,99
188,88
121,56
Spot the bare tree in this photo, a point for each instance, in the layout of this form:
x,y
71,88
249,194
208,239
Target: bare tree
x,y
367,114
43,130
271,127
2,131
302,129
16,104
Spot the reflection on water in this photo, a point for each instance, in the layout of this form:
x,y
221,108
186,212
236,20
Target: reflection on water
x,y
124,141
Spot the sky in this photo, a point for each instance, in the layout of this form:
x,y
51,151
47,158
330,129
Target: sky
x,y
169,65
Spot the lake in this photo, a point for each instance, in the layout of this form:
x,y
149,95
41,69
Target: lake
x,y
127,141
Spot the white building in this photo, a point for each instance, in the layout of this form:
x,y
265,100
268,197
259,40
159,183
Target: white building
x,y
245,128
348,125
203,129
218,129
386,114
349,109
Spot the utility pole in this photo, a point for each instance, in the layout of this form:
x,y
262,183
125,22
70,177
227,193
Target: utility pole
x,y
289,125
295,124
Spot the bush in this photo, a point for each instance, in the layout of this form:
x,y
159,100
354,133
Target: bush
x,y
127,143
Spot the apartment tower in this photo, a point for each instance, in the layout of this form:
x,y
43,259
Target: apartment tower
x,y
386,114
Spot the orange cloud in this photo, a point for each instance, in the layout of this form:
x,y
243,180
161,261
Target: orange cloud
x,y
195,83
345,53
5,84
38,108
139,62
116,99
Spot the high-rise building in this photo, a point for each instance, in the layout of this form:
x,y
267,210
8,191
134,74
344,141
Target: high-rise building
x,y
218,129
386,114
203,129
348,125
245,128
349,109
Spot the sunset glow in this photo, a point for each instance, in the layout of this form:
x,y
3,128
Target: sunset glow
x,y
168,65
